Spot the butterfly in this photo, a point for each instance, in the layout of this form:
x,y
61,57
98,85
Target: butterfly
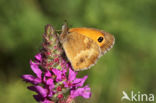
x,y
83,46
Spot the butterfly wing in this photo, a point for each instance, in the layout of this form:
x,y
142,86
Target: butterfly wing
x,y
94,34
81,51
108,44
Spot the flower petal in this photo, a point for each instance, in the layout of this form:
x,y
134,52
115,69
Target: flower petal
x,y
31,79
79,81
50,82
36,69
41,99
64,71
66,84
50,94
72,75
48,74
84,92
58,74
38,57
40,90
38,98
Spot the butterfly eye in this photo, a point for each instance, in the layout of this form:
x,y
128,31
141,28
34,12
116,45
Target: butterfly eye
x,y
100,39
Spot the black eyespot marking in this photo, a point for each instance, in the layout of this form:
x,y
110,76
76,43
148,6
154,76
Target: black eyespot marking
x,y
100,39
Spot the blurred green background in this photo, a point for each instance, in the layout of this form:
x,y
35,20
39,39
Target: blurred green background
x,y
130,65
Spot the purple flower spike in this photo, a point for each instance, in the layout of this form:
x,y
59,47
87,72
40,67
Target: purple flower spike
x,y
52,82
54,78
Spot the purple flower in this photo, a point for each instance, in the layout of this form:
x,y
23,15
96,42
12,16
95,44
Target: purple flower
x,y
84,92
74,83
59,74
43,92
35,68
31,79
52,83
54,77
